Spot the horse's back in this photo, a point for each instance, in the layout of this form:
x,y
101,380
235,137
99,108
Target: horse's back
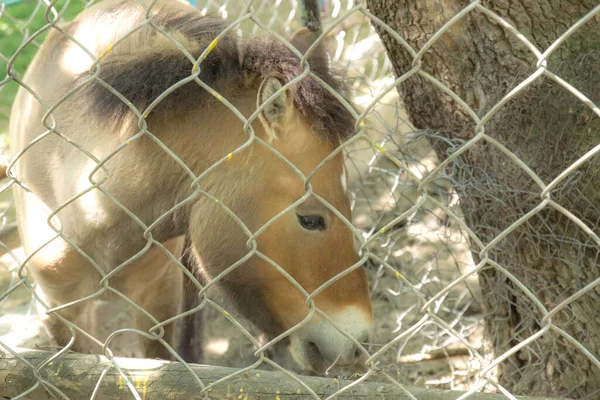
x,y
58,153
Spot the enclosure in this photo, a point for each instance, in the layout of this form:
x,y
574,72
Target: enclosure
x,y
471,177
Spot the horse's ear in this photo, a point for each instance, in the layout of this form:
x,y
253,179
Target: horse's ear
x,y
274,113
302,39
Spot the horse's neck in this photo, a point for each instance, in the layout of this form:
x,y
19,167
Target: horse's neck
x,y
204,140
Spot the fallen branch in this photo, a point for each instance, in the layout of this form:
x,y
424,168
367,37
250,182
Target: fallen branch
x,y
434,355
76,375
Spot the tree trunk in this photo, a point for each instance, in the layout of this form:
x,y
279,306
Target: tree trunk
x,y
547,128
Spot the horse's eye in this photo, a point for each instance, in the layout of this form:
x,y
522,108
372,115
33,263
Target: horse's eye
x,y
312,222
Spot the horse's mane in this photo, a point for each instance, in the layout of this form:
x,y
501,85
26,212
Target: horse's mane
x,y
143,73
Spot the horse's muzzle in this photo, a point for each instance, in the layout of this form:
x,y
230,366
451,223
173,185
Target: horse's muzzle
x,y
319,345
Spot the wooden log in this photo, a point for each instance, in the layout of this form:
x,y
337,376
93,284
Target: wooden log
x,y
76,375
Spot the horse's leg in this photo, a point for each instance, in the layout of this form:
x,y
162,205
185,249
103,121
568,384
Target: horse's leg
x,y
154,283
63,277
162,300
82,316
191,343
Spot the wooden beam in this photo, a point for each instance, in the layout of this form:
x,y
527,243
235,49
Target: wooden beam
x,y
76,375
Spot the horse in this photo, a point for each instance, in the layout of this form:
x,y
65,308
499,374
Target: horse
x,y
137,143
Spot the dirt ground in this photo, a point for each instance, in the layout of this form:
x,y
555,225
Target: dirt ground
x,y
424,251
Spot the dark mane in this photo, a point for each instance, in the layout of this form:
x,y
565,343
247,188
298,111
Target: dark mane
x,y
144,75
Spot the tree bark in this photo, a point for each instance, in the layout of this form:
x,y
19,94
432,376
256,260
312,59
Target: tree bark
x,y
77,376
547,128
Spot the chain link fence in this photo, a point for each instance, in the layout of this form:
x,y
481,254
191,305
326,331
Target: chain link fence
x,y
429,314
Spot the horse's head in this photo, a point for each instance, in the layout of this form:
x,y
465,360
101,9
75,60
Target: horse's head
x,y
309,241
305,256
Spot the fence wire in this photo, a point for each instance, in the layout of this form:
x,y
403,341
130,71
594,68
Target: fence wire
x,y
429,328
